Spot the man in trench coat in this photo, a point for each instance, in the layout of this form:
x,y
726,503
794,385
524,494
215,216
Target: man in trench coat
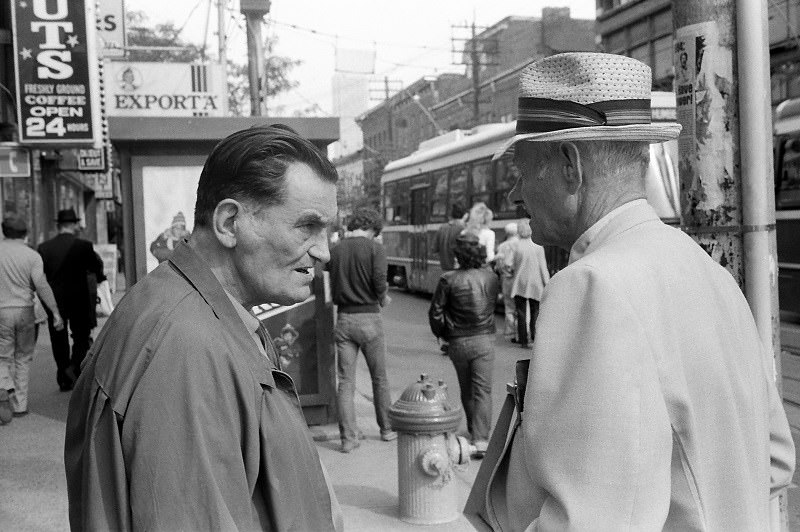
x,y
182,418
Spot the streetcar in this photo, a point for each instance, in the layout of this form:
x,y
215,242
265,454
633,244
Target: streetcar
x,y
456,167
787,213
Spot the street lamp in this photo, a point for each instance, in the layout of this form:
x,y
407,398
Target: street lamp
x,y
428,115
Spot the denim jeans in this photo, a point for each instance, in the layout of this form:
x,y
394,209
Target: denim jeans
x,y
473,358
17,343
365,332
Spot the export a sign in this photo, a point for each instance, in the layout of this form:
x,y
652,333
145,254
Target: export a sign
x,y
165,89
56,74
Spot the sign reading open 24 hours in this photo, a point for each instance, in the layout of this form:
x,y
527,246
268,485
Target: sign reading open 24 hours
x,y
56,71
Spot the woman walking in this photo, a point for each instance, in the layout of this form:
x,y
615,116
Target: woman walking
x,y
462,313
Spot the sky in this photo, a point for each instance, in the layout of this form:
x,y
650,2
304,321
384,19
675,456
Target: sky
x,y
410,38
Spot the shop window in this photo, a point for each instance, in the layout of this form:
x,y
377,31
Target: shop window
x,y
662,23
642,53
662,57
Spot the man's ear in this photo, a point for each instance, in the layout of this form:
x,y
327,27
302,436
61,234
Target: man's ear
x,y
224,221
571,166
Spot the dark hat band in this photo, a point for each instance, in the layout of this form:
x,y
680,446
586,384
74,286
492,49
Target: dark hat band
x,y
542,115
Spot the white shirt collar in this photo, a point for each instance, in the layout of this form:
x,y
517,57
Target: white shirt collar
x,y
581,245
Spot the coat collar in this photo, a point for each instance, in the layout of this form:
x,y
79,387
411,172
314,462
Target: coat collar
x,y
615,222
199,275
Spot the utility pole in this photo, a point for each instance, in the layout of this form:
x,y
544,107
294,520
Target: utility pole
x,y
476,57
254,11
721,60
221,36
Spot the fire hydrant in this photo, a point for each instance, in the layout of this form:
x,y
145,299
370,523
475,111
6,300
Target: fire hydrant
x,y
427,450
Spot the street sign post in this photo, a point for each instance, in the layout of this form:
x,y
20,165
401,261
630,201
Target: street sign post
x,y
15,161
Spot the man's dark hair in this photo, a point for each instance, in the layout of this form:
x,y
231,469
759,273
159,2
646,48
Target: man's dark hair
x,y
14,227
457,211
250,165
366,218
469,251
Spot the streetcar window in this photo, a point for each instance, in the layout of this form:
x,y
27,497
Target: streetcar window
x,y
439,196
507,175
388,202
458,186
481,177
401,202
788,193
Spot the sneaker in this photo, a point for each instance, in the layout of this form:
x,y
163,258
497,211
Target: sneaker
x,y
349,445
389,435
5,408
21,413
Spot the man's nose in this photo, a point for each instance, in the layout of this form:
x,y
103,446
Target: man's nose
x,y
320,250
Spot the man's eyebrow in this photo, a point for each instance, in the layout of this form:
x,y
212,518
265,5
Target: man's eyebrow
x,y
311,218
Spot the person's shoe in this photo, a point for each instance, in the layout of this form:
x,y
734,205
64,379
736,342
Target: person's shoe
x,y
349,446
22,413
389,435
514,341
5,408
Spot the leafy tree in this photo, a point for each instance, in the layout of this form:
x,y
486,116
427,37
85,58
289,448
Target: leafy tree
x,y
278,68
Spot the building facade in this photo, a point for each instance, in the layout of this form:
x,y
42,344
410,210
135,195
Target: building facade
x,y
643,29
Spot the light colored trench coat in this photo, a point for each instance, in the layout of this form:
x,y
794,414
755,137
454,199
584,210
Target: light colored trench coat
x,y
650,401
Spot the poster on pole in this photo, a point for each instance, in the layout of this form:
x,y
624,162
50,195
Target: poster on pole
x,y
56,72
703,81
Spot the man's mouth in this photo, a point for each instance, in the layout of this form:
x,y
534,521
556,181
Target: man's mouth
x,y
304,271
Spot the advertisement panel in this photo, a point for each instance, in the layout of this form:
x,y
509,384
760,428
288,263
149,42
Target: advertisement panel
x,y
111,27
165,89
56,72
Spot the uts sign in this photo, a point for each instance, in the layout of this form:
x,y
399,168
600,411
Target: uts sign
x,y
55,71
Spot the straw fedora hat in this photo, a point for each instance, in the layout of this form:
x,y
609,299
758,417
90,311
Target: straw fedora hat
x,y
587,96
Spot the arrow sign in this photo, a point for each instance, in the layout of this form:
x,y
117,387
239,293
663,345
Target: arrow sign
x,y
15,162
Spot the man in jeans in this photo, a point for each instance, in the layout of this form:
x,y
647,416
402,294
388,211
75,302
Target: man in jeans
x,y
358,279
21,273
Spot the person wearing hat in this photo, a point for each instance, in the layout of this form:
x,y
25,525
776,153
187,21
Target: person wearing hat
x,y
165,243
650,401
462,313
21,273
68,261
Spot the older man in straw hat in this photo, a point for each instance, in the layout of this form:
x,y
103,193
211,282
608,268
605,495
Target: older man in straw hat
x,y
650,398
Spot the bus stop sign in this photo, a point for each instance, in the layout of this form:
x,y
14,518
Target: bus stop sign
x,y
15,161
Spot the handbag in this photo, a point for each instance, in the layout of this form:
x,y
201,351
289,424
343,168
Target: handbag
x,y
105,305
478,510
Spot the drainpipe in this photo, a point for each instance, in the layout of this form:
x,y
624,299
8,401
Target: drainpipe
x,y
758,199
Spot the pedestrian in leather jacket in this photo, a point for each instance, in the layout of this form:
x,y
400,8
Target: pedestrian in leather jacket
x,y
462,313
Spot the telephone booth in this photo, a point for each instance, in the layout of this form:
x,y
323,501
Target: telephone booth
x,y
160,160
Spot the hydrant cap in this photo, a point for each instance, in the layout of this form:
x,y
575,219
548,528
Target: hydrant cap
x,y
424,407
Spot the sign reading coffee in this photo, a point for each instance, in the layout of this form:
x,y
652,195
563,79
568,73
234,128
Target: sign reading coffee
x,y
55,70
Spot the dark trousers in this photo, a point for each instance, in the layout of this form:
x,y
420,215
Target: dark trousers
x,y
473,359
525,319
81,330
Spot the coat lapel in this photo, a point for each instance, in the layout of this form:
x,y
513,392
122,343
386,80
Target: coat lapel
x,y
186,261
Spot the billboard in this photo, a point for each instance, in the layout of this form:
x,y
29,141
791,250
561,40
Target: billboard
x,y
165,89
56,72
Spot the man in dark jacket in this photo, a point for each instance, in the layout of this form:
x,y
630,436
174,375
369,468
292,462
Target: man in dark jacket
x,y
462,312
68,261
358,278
